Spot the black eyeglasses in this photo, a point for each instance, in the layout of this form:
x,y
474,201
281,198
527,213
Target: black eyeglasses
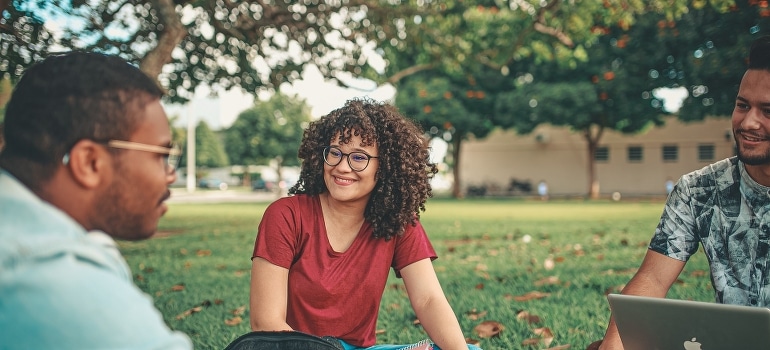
x,y
171,154
358,161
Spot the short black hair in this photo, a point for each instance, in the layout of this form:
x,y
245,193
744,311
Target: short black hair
x,y
66,98
759,56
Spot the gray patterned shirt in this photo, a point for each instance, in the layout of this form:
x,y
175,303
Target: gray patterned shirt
x,y
726,211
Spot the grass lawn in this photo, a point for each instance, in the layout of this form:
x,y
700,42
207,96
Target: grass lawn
x,y
527,265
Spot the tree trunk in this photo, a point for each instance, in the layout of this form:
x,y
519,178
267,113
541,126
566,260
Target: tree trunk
x,y
168,39
592,142
456,189
282,190
246,177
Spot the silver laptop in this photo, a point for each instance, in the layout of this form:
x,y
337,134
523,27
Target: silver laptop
x,y
648,323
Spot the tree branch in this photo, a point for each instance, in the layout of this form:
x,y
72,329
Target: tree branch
x,y
169,38
395,78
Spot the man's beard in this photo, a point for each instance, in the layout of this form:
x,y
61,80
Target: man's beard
x,y
762,159
757,159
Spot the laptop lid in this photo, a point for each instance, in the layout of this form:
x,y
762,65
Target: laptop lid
x,y
646,323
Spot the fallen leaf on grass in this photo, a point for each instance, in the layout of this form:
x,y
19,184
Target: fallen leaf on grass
x,y
189,312
239,311
546,334
549,264
546,337
488,329
531,296
475,315
472,341
698,273
234,321
547,281
203,252
480,286
379,331
525,315
177,287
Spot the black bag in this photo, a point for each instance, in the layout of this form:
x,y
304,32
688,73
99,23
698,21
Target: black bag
x,y
283,340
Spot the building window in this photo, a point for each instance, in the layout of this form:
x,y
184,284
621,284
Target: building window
x,y
602,154
706,152
635,153
670,153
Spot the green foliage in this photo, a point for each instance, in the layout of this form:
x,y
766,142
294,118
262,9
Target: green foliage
x,y
209,148
269,130
707,52
198,270
188,43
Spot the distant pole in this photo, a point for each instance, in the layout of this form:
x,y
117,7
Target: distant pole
x,y
190,149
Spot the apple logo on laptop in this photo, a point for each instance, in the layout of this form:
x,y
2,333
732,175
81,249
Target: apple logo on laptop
x,y
692,345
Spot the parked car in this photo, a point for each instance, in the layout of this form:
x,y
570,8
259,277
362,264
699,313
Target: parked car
x,y
212,183
262,185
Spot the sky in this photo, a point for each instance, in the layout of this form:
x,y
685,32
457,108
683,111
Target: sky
x,y
321,95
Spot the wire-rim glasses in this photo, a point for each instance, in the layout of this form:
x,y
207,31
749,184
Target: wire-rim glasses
x,y
171,154
358,161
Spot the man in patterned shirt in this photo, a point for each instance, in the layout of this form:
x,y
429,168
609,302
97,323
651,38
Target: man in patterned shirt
x,y
724,207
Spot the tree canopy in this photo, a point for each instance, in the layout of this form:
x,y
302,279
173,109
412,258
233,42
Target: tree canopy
x,y
209,148
252,45
271,130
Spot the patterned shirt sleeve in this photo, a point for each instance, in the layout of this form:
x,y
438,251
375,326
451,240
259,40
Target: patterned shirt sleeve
x,y
675,235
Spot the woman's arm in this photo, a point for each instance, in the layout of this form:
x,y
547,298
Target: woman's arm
x,y
268,297
431,306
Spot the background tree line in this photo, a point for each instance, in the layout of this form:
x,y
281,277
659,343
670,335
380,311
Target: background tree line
x,y
461,68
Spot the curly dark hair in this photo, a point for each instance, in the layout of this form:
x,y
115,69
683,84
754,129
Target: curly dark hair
x,y
404,173
66,98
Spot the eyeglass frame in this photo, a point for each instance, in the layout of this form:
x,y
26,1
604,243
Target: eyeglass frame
x,y
172,153
325,151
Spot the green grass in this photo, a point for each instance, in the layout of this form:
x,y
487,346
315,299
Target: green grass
x,y
201,262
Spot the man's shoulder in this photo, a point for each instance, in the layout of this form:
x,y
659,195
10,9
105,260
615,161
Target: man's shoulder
x,y
24,216
718,180
725,171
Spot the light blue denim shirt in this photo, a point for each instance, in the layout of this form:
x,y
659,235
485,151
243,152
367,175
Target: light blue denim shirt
x,y
64,288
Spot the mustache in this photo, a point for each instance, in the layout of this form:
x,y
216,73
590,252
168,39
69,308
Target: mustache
x,y
751,134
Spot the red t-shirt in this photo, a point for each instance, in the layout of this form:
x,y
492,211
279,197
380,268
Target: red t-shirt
x,y
332,293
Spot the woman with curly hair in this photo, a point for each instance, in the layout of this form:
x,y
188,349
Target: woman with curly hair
x,y
322,256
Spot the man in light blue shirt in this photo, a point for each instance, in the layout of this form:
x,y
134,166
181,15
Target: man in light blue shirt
x,y
87,159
